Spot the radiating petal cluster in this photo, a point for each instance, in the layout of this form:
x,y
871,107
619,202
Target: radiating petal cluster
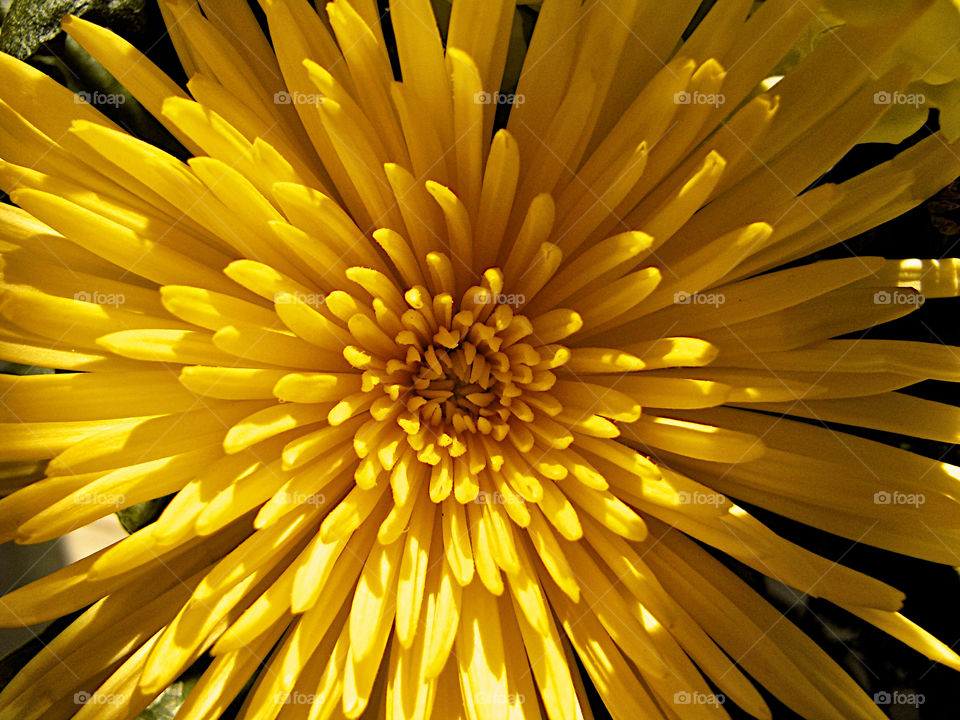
x,y
448,396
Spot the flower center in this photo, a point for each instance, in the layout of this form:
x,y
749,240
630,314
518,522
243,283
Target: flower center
x,y
459,385
449,376
468,374
463,370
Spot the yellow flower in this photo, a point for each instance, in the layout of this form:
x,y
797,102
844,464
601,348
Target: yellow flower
x,y
930,52
445,409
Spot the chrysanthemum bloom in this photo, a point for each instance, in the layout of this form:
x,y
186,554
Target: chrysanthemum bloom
x,y
444,409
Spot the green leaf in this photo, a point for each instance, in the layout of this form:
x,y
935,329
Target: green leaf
x,y
168,703
30,23
139,516
9,368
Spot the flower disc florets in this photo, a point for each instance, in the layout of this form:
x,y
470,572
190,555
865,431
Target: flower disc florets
x,y
447,377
